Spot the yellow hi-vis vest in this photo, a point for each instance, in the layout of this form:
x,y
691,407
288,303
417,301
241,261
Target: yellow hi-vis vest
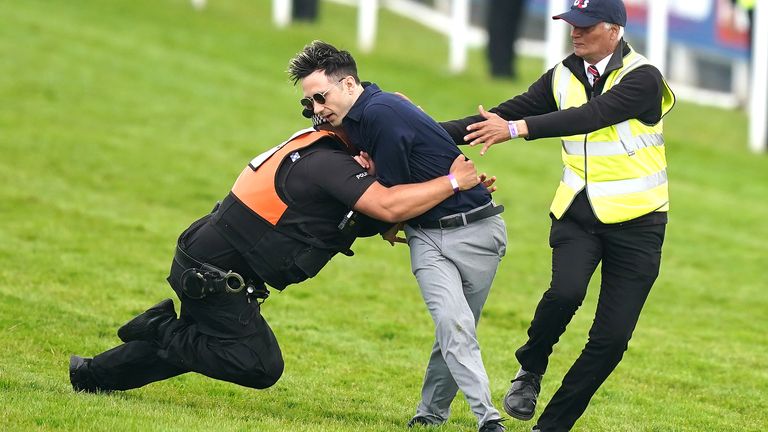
x,y
623,166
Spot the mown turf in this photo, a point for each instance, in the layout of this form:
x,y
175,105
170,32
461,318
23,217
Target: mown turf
x,y
123,121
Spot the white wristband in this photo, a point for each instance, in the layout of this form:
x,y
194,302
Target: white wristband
x,y
454,183
512,129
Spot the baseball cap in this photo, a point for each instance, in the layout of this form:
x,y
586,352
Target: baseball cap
x,y
586,13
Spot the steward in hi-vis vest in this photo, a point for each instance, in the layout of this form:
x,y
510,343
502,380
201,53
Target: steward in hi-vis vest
x,y
622,166
606,103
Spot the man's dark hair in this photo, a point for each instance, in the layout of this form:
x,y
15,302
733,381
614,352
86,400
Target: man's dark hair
x,y
319,55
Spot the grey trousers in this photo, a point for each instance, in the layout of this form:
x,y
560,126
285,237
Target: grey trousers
x,y
455,268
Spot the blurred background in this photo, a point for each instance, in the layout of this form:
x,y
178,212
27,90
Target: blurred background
x,y
703,47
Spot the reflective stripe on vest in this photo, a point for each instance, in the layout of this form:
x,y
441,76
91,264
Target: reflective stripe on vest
x,y
616,187
623,166
255,187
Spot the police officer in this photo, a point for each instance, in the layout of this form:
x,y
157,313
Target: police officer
x,y
607,103
290,211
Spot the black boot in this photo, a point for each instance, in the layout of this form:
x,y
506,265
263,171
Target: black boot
x,y
520,400
493,426
80,375
144,326
419,421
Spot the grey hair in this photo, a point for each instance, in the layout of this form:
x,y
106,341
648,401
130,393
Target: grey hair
x,y
621,29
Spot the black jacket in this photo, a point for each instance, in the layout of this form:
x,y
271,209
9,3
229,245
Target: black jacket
x,y
638,96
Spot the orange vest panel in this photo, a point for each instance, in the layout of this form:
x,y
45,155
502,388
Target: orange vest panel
x,y
255,187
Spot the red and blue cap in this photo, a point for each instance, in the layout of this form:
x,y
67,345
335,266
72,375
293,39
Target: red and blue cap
x,y
586,13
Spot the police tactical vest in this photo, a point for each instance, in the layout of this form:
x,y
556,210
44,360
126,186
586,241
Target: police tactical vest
x,y
623,167
261,223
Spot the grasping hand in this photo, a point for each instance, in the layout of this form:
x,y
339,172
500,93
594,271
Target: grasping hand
x,y
465,172
488,182
408,99
492,130
365,161
391,235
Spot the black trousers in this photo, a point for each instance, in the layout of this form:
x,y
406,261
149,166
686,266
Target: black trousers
x,y
305,10
221,336
630,255
504,23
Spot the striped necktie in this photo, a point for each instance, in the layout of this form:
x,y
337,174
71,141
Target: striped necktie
x,y
595,74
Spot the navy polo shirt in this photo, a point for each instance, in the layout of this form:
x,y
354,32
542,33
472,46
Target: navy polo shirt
x,y
407,146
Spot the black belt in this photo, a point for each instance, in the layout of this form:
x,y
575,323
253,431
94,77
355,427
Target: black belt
x,y
461,219
200,279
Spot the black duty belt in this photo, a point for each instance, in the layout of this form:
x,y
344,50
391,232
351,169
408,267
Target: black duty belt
x,y
461,219
200,279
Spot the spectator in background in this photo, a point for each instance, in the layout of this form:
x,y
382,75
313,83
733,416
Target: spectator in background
x,y
504,22
305,10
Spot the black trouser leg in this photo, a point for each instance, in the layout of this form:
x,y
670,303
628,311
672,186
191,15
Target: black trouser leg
x,y
253,361
575,255
305,10
222,336
504,22
131,365
631,260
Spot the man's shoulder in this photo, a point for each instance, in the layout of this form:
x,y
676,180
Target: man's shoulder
x,y
324,161
646,75
384,99
387,105
326,145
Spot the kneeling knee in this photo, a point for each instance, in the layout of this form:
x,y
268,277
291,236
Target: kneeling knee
x,y
266,376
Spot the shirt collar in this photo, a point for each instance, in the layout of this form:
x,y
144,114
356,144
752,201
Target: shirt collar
x,y
576,63
601,65
356,112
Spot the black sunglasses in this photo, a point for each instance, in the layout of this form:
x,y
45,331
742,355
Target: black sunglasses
x,y
308,102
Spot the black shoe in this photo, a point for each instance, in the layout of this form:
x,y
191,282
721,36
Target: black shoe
x,y
536,429
520,400
80,375
420,421
144,326
493,426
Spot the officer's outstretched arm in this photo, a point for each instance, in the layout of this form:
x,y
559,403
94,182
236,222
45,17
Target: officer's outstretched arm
x,y
402,202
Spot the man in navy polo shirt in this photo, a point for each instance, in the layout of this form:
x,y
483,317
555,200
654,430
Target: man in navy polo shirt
x,y
455,247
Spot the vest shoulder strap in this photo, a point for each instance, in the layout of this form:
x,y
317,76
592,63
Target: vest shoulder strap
x,y
256,186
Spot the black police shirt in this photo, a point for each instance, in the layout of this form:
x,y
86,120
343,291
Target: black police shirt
x,y
324,182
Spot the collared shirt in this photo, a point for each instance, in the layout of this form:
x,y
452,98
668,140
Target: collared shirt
x,y
601,65
407,146
637,96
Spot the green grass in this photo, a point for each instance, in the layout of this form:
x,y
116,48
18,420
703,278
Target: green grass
x,y
122,121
